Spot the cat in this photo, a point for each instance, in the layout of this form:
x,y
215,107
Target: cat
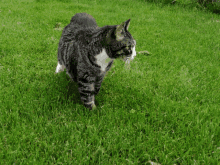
x,y
87,52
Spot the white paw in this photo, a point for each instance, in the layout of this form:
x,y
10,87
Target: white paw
x,y
59,68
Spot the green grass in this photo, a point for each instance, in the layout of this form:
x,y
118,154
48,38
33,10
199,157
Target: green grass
x,y
164,109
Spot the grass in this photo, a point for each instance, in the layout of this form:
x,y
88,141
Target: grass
x,y
165,109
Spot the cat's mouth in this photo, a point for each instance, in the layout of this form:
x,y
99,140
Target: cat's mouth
x,y
126,59
130,57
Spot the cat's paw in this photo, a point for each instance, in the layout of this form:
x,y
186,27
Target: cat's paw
x,y
59,68
90,105
93,107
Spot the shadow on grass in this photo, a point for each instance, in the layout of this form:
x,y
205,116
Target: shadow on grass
x,y
68,88
208,6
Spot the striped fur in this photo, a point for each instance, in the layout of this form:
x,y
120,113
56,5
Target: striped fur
x,y
87,52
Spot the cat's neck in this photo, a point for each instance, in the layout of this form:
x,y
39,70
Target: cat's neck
x,y
98,39
106,34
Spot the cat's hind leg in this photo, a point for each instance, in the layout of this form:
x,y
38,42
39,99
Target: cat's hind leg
x,y
98,84
59,68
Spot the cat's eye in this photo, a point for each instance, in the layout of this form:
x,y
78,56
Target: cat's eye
x,y
123,33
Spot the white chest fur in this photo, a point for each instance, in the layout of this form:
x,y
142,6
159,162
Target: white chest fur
x,y
133,53
102,59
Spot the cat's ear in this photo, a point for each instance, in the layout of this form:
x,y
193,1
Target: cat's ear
x,y
127,23
120,28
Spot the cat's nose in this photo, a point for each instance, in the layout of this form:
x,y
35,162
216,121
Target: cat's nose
x,y
134,42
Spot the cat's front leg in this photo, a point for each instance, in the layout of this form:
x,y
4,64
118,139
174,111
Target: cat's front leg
x,y
86,90
98,84
91,105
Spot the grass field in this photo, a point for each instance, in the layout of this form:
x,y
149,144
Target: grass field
x,y
164,109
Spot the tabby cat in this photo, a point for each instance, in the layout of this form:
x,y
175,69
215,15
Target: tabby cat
x,y
88,51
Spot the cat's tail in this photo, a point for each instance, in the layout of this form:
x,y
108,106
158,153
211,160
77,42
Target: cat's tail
x,y
84,20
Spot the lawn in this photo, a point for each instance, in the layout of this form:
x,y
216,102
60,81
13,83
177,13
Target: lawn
x,y
164,109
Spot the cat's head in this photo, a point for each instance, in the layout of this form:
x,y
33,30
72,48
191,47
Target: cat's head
x,y
121,42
